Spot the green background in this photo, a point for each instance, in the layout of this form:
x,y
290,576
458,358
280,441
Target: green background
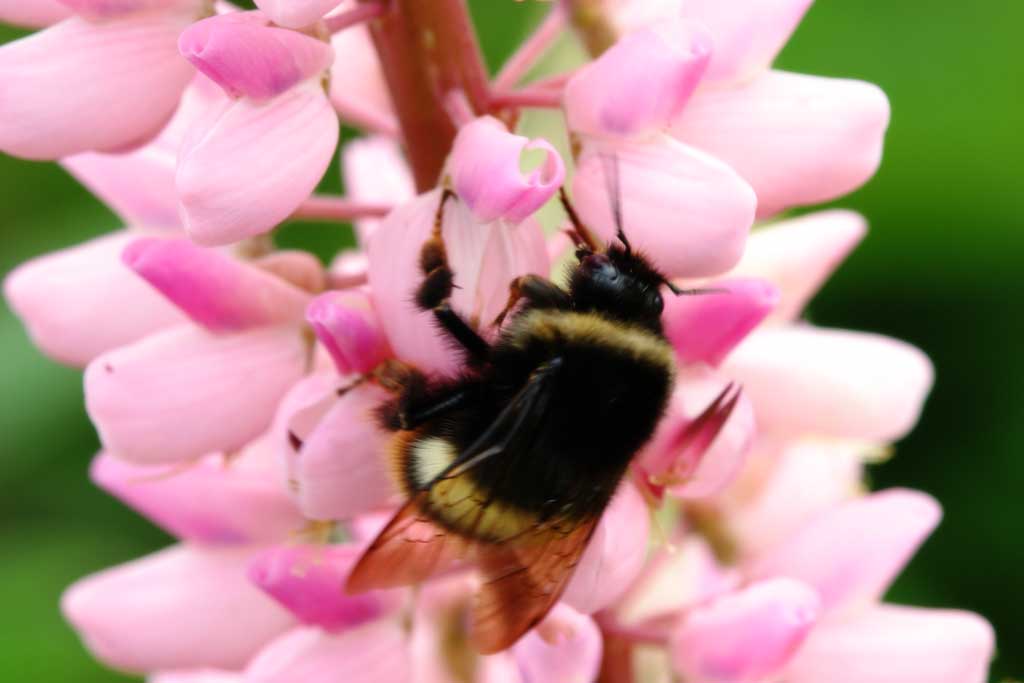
x,y
940,268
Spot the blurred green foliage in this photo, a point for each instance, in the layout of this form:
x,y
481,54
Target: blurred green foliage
x,y
940,269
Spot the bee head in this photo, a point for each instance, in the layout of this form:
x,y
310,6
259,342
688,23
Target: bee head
x,y
619,283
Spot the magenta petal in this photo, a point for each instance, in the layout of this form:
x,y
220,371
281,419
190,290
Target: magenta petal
x,y
308,581
852,553
890,644
615,555
33,13
66,89
485,170
813,381
796,139
746,636
176,609
64,298
375,172
566,647
704,328
214,289
375,652
641,83
225,388
348,327
798,255
249,165
247,58
687,211
212,501
296,13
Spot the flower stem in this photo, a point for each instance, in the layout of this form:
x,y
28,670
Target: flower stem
x,y
428,49
338,209
532,49
592,24
361,13
548,98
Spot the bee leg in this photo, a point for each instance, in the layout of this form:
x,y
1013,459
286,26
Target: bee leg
x,y
436,289
538,292
580,234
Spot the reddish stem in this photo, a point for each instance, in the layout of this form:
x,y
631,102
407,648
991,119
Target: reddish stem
x,y
338,209
428,49
548,98
358,15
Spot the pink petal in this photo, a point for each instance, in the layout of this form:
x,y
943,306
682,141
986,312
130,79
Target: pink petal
x,y
746,34
215,500
110,9
798,255
176,609
687,211
376,652
300,268
814,381
698,469
852,553
641,83
185,393
808,478
198,676
247,58
348,327
889,644
64,300
214,289
249,165
32,13
615,555
485,169
796,139
746,636
308,581
349,268
375,172
357,89
484,258
139,185
704,328
67,89
566,647
340,469
296,13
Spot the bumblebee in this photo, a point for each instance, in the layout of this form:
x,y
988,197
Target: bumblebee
x,y
510,465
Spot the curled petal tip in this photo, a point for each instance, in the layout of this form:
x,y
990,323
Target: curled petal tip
x,y
347,326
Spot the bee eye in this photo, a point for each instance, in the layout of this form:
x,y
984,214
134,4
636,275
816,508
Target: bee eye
x,y
655,301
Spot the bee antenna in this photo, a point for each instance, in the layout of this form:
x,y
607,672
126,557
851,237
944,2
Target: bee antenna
x,y
580,234
610,162
692,292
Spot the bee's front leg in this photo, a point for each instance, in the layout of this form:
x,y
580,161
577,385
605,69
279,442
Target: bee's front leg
x,y
538,293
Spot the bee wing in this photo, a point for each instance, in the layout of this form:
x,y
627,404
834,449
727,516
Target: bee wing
x,y
410,549
523,581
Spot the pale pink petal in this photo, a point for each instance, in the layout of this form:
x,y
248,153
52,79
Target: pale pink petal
x,y
641,83
184,607
375,652
704,328
185,393
796,139
197,676
375,172
298,267
747,34
357,89
852,553
565,648
111,9
247,58
746,636
348,327
798,255
33,13
64,300
247,167
889,644
808,477
615,555
485,169
215,500
308,581
687,211
349,268
296,13
217,291
340,468
690,467
815,381
80,86
485,259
